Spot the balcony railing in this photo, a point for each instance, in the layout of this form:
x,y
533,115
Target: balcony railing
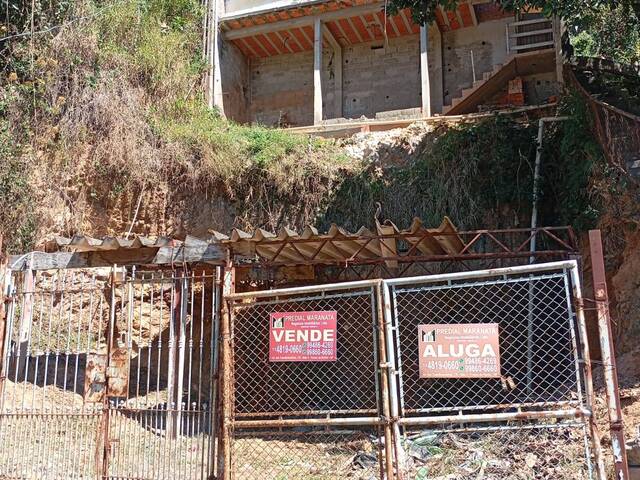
x,y
529,35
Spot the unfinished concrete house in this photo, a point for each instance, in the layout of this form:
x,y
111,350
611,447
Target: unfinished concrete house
x,y
291,63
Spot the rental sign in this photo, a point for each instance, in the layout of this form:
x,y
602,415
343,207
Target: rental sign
x,y
303,336
466,350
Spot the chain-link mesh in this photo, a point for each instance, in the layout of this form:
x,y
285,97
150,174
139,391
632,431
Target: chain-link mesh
x,y
549,452
537,342
347,385
305,454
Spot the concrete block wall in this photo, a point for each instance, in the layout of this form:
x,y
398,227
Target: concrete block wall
x,y
378,77
281,89
488,43
235,82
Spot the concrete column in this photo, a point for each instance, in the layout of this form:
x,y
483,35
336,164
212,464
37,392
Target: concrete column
x,y
337,62
557,39
424,71
317,69
216,9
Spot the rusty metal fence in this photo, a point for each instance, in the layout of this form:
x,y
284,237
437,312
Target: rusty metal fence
x,y
370,413
107,373
534,415
303,419
113,374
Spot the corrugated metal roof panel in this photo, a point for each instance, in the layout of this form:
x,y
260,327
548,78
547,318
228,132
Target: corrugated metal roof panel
x,y
86,243
291,247
338,244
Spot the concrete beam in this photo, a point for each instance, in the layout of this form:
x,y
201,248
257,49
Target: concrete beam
x,y
317,72
270,7
424,71
301,21
337,61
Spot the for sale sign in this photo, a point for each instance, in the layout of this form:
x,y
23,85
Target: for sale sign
x,y
303,336
467,350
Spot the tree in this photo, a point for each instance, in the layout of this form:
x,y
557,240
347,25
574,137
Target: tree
x,y
571,11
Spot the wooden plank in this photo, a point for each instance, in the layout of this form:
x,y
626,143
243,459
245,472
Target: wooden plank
x,y
139,256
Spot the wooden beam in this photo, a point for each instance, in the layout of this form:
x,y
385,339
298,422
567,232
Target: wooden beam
x,y
472,11
317,72
301,21
211,253
424,71
337,61
445,17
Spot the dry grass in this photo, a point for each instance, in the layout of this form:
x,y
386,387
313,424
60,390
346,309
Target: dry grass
x,y
544,454
304,456
112,111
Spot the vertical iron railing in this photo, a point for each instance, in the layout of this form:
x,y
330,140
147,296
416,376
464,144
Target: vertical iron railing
x,y
109,373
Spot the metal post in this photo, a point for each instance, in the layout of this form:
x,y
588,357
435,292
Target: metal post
x,y
226,375
473,67
215,368
588,380
103,463
5,276
181,324
534,234
393,379
608,355
384,383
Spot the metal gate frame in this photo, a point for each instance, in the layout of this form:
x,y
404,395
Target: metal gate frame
x,y
94,347
582,414
233,426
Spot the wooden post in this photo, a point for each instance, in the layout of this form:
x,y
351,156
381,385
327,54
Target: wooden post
x,y
317,69
608,356
424,71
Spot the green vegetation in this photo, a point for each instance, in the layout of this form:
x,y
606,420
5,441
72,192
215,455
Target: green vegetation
x,y
111,105
480,175
600,28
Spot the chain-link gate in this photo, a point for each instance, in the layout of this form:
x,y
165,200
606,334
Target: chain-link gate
x,y
307,386
108,374
525,405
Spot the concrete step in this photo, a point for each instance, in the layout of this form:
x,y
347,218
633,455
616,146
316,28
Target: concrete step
x,y
477,83
456,101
